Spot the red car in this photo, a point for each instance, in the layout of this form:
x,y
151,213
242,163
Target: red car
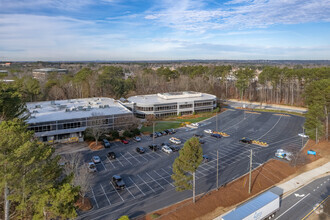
x,y
124,141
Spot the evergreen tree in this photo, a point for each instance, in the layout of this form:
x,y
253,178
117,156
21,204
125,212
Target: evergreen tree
x,y
191,156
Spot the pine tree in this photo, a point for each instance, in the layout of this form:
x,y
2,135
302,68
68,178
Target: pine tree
x,y
191,156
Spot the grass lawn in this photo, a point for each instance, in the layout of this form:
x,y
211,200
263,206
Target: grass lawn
x,y
175,122
161,126
279,111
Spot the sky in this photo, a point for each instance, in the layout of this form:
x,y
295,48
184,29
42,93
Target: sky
x,y
135,30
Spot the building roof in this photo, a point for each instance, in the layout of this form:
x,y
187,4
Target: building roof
x,y
251,206
73,109
47,70
170,97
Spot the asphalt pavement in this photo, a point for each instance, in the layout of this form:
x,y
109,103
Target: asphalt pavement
x,y
148,176
301,203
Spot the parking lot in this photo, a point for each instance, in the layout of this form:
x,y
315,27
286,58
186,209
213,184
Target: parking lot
x,y
148,176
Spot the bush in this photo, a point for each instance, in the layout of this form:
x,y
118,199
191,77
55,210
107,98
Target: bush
x,y
88,136
136,132
127,134
155,215
124,217
115,134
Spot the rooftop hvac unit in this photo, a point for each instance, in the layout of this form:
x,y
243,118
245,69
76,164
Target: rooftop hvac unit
x,y
101,106
106,106
67,110
52,102
37,106
80,108
35,111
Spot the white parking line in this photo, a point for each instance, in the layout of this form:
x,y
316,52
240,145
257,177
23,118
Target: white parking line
x,y
155,181
126,159
130,192
134,157
120,162
117,191
103,165
111,162
146,183
94,197
166,172
164,178
105,194
137,186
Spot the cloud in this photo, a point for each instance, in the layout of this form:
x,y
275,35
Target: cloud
x,y
241,14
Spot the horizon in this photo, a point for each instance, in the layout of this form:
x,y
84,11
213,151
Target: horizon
x,y
166,30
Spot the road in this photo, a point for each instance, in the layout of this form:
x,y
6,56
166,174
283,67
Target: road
x,y
299,204
148,176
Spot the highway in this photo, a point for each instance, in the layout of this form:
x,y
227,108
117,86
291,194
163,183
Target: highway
x,y
300,204
148,176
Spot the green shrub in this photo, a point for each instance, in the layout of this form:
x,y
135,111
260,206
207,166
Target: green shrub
x,y
136,132
127,134
155,215
115,134
124,217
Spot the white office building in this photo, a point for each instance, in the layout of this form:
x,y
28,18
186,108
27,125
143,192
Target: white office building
x,y
171,103
65,120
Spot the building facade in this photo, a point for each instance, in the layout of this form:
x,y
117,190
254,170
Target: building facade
x,y
66,120
41,74
172,103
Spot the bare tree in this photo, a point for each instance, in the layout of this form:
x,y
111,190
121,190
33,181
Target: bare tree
x,y
82,179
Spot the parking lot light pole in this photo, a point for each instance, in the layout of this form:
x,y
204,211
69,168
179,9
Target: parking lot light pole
x,y
217,170
250,172
153,132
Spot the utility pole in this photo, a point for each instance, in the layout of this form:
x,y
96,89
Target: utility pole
x,y
216,121
316,139
250,172
153,132
194,187
217,170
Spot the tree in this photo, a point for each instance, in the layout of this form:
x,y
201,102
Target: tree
x,y
185,166
11,103
29,171
97,127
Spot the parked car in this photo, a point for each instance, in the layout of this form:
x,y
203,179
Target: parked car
x,y
205,159
216,135
153,147
91,167
303,135
124,141
158,134
174,148
195,124
246,140
140,150
208,131
96,159
201,141
167,131
163,132
118,182
175,140
165,143
171,131
167,149
111,155
106,143
154,135
198,135
137,138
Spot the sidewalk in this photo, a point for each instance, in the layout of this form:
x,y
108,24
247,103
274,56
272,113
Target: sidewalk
x,y
288,187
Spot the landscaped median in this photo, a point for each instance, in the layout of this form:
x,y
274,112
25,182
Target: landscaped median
x,y
179,121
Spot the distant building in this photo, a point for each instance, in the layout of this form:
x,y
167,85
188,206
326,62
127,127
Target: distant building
x,y
42,73
172,103
5,64
65,120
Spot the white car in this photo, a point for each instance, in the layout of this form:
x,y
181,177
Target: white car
x,y
91,167
303,135
167,149
175,140
195,124
96,159
137,138
208,131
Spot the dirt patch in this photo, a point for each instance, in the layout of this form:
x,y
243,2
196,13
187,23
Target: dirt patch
x,y
215,203
83,204
92,145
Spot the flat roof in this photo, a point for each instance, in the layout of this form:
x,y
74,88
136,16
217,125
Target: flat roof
x,y
251,206
73,109
170,97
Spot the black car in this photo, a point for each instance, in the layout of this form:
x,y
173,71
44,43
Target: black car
x,y
153,147
154,135
216,135
165,143
106,143
246,140
140,150
199,135
174,148
168,131
201,141
118,182
172,130
111,155
163,132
